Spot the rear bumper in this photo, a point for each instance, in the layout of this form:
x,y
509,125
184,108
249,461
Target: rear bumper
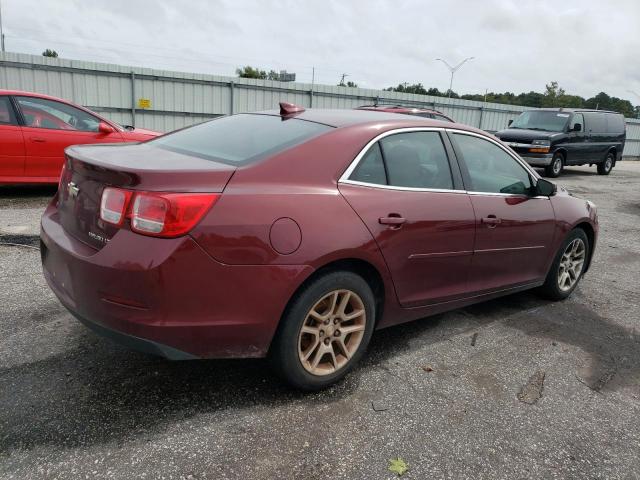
x,y
167,296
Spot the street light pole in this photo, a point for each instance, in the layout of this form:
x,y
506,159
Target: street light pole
x,y
453,70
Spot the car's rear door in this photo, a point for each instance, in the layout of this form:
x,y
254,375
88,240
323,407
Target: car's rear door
x,y
50,127
514,228
11,142
403,187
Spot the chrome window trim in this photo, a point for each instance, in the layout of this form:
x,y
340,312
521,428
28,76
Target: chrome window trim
x,y
344,178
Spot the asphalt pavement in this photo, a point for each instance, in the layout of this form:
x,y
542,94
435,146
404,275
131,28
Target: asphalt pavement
x,y
517,387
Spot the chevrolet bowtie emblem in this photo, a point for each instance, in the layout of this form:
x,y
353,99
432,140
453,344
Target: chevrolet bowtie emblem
x,y
73,189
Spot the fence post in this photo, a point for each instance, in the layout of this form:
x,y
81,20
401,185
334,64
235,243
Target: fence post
x,y
231,88
133,99
481,114
311,98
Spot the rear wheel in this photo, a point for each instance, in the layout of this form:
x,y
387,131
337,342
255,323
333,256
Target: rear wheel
x,y
605,167
325,331
555,167
568,266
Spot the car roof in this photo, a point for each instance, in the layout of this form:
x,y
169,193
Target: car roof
x,y
22,93
398,109
576,110
346,117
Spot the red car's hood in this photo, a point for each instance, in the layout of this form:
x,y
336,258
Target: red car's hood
x,y
139,134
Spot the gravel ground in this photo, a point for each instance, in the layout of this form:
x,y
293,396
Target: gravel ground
x,y
514,388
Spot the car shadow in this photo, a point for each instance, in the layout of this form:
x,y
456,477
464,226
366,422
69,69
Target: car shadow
x,y
98,392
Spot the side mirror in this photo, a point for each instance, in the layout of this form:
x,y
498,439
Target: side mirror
x,y
545,188
577,127
105,128
510,122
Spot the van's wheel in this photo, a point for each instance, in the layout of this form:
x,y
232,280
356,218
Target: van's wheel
x,y
555,167
568,266
325,331
605,167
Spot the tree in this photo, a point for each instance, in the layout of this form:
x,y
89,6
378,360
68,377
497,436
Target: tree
x,y
50,53
552,94
251,72
348,84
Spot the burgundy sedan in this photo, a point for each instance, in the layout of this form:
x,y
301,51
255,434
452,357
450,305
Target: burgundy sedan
x,y
295,234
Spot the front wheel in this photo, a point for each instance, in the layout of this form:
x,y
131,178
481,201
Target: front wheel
x,y
605,167
568,266
555,167
325,331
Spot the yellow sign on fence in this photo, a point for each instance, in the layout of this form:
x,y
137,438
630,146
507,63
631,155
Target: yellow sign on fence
x,y
144,103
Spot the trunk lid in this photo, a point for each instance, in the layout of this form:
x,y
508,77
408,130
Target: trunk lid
x,y
89,169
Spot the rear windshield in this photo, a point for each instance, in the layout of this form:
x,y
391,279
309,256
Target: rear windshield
x,y
240,139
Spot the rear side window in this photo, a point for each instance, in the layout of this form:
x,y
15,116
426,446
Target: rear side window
x,y
596,122
371,167
615,123
6,112
416,160
240,139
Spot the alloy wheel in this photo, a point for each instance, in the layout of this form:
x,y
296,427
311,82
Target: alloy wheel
x,y
571,264
557,165
332,332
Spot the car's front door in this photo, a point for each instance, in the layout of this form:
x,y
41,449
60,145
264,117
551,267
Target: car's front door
x,y
50,127
418,214
577,147
11,141
514,228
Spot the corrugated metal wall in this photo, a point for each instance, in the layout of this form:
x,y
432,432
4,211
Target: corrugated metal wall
x,y
181,99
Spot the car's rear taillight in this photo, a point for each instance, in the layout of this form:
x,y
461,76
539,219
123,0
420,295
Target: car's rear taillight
x,y
113,206
155,214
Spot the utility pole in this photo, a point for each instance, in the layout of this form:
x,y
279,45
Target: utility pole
x,y
1,32
636,94
342,79
453,70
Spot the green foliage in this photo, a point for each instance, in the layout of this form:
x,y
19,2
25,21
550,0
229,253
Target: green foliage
x,y
348,84
50,53
251,72
398,466
553,96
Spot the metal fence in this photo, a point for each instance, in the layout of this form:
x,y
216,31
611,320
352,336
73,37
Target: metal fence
x,y
163,100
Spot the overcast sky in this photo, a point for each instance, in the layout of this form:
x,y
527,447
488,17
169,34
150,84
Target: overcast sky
x,y
588,46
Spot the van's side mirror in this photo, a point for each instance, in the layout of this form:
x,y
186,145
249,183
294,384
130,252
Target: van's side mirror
x,y
577,127
545,188
510,122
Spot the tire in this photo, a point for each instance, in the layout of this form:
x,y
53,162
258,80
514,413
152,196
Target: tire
x,y
324,296
555,167
555,288
605,167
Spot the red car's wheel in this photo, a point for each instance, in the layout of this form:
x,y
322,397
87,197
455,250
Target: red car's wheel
x,y
324,331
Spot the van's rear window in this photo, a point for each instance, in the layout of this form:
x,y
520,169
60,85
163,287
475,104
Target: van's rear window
x,y
240,139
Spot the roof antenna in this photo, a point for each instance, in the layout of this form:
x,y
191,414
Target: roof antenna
x,y
289,109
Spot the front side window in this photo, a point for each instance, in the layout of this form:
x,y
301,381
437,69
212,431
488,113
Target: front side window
x,y
43,113
577,118
6,112
240,139
491,169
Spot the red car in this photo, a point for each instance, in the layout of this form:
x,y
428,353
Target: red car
x,y
295,234
418,112
35,129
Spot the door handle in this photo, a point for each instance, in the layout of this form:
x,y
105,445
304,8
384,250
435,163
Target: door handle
x,y
491,221
38,139
394,220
